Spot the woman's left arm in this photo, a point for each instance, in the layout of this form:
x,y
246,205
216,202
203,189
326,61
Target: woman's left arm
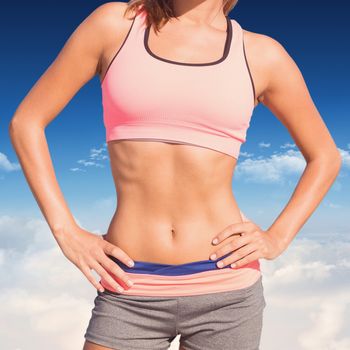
x,y
287,97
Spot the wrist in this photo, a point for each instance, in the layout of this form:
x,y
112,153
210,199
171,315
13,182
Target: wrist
x,y
61,229
281,241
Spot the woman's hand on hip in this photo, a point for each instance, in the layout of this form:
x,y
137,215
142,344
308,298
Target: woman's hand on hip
x,y
247,242
89,251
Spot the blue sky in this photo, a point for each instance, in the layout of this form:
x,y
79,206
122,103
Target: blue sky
x,y
316,36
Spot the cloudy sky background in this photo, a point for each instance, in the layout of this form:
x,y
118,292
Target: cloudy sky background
x,y
46,301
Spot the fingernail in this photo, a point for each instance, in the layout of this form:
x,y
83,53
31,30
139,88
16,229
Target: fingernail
x,y
130,263
213,256
129,283
215,240
233,265
120,289
220,264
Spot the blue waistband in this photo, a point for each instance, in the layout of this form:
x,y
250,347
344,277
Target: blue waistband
x,y
170,269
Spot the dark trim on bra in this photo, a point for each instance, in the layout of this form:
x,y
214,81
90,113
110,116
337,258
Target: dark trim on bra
x,y
115,55
250,74
224,56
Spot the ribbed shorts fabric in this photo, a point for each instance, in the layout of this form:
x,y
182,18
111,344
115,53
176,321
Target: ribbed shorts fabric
x,y
229,320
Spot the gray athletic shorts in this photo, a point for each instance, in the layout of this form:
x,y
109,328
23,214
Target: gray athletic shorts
x,y
230,320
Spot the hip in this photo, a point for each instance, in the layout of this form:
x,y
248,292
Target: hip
x,y
192,278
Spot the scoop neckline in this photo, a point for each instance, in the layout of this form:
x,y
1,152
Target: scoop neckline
x,y
226,51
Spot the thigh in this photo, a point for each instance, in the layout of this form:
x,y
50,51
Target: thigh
x,y
92,346
127,322
226,320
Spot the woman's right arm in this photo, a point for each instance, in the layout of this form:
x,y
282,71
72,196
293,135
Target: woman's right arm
x,y
76,64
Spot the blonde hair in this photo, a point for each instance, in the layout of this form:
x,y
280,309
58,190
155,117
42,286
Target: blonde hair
x,y
160,11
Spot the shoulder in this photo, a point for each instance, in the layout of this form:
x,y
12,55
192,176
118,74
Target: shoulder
x,y
270,60
269,50
103,23
105,27
111,17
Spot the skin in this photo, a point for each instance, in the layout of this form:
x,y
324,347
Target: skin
x,y
179,196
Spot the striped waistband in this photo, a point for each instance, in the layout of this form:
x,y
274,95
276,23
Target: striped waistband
x,y
197,277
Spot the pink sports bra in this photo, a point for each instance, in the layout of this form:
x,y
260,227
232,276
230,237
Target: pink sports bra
x,y
148,97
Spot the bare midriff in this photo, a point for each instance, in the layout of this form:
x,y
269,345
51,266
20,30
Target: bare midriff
x,y
172,200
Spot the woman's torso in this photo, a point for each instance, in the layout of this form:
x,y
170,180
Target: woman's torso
x,y
172,198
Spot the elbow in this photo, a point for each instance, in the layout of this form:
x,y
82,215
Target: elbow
x,y
14,123
337,163
331,160
334,161
19,126
339,160
13,129
12,126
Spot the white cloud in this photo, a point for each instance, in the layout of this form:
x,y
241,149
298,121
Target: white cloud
x,y
77,169
98,154
277,167
288,145
6,165
43,296
264,145
95,159
273,169
332,205
48,301
327,323
90,163
345,154
307,290
245,154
